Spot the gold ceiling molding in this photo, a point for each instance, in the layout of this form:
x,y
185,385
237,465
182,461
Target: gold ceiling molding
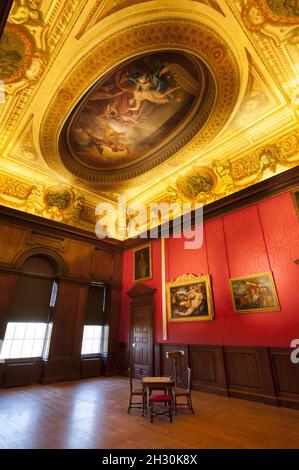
x,y
45,31
188,127
259,139
257,13
206,184
156,35
103,8
55,201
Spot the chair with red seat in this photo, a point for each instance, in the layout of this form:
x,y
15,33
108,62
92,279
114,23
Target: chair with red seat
x,y
135,392
165,399
183,392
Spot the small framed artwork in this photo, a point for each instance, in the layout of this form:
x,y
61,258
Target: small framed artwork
x,y
189,298
142,263
254,293
295,195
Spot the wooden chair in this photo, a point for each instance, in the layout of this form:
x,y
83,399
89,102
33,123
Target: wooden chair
x,y
165,399
135,392
183,392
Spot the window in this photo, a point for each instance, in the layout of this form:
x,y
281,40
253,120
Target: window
x,y
25,340
29,328
95,339
95,334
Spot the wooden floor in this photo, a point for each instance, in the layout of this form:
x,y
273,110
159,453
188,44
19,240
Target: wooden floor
x,y
93,414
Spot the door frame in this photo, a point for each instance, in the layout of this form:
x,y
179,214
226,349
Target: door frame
x,y
142,294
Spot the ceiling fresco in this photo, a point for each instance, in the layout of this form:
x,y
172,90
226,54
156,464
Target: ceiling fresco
x,y
142,105
167,101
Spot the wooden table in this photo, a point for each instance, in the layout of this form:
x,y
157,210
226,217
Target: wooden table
x,y
155,383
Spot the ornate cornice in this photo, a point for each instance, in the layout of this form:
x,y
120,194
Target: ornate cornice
x,y
153,35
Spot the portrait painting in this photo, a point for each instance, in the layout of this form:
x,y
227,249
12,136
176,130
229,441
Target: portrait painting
x,y
189,298
142,263
255,293
138,107
295,195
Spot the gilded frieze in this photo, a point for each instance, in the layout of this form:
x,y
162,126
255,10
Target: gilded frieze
x,y
257,13
52,52
194,37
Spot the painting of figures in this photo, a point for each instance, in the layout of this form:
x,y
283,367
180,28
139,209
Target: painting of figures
x,y
139,107
255,293
189,298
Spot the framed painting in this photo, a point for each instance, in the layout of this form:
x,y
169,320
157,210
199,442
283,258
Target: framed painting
x,y
255,293
142,263
189,298
295,195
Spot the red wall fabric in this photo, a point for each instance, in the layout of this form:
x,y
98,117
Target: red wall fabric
x,y
260,238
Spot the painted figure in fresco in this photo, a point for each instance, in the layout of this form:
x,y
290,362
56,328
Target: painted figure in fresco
x,y
10,58
9,63
133,104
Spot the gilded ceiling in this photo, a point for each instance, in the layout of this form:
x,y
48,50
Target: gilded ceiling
x,y
167,101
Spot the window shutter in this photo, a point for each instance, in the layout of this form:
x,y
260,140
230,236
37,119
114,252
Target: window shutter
x,y
31,302
95,306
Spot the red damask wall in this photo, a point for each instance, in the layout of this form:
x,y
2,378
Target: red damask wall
x,y
262,237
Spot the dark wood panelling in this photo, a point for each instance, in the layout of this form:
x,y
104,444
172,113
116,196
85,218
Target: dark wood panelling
x,y
265,371
40,239
79,258
242,368
68,320
2,371
208,369
61,369
248,374
12,238
90,367
102,265
16,375
7,288
110,362
13,217
252,373
286,377
124,357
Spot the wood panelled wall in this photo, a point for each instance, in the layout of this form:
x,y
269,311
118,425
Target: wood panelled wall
x,y
80,259
253,373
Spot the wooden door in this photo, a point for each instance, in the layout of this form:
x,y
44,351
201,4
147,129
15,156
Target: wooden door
x,y
141,337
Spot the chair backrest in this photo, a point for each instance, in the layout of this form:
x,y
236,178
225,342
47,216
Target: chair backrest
x,y
130,371
188,379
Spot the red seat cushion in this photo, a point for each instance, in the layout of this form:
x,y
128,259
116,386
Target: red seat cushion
x,y
160,398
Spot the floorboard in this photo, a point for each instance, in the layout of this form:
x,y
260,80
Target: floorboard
x,y
93,414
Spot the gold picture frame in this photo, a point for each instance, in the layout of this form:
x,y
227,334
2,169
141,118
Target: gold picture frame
x,y
254,293
295,196
142,263
189,298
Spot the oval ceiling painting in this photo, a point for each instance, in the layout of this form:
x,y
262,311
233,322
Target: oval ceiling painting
x,y
138,109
